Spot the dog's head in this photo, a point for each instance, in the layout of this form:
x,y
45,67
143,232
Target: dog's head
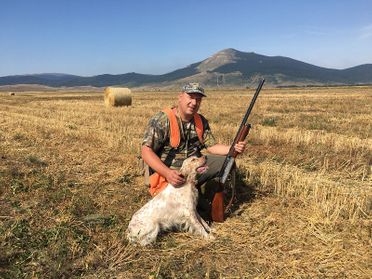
x,y
193,165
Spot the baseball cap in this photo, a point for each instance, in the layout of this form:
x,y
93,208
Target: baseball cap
x,y
193,87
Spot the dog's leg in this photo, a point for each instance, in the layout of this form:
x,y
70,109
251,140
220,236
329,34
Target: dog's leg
x,y
204,224
196,227
142,232
134,229
149,236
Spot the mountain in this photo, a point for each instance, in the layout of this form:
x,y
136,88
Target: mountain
x,y
228,67
43,79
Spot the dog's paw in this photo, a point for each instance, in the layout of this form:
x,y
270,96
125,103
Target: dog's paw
x,y
210,237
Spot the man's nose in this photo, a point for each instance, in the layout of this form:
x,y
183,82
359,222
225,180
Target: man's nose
x,y
193,101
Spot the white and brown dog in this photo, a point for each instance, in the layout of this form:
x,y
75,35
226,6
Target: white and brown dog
x,y
173,207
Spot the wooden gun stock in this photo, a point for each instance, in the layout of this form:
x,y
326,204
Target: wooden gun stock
x,y
218,210
241,137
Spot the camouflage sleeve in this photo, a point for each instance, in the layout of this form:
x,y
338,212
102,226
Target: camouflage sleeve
x,y
156,131
208,137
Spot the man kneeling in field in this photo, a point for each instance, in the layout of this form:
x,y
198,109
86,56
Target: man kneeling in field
x,y
175,134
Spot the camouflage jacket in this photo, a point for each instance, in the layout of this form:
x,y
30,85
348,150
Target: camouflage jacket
x,y
157,137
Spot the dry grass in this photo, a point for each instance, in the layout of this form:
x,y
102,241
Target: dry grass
x,y
70,182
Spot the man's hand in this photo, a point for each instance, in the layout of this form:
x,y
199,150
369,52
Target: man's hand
x,y
223,149
175,178
240,146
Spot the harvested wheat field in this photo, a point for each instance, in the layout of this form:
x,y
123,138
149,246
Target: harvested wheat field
x,y
70,182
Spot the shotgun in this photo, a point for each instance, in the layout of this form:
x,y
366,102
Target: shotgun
x,y
218,210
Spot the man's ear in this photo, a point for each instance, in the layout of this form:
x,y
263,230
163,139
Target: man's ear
x,y
180,96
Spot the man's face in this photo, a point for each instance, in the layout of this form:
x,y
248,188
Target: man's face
x,y
189,103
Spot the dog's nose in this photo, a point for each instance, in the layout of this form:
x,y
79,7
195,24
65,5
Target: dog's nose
x,y
196,152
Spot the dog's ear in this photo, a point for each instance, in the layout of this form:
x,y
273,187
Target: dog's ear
x,y
186,167
184,170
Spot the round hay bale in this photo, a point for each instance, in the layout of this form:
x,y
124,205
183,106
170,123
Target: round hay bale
x,y
117,96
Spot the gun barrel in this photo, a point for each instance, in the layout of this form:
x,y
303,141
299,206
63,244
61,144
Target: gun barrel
x,y
245,118
253,101
241,134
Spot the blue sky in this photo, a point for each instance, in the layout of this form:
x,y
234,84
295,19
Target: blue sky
x,y
90,37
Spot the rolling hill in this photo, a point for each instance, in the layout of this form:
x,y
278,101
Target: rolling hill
x,y
227,68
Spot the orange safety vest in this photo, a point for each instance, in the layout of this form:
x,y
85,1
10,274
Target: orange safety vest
x,y
158,182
